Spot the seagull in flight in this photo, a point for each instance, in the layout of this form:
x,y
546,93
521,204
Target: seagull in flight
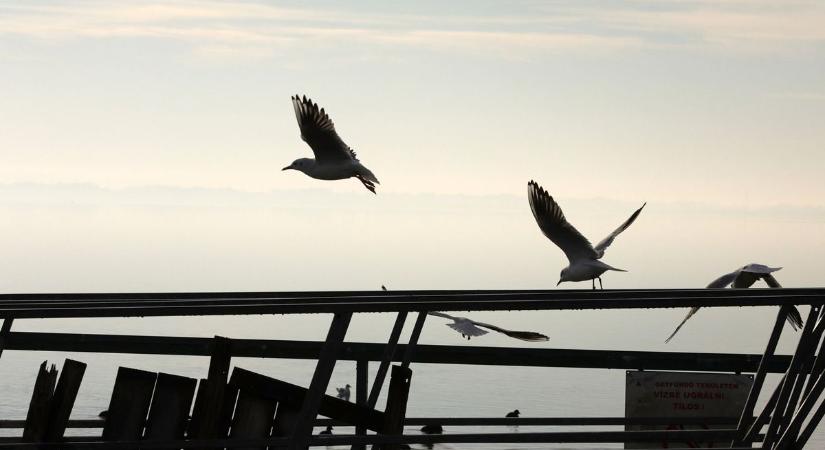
x,y
470,328
745,277
334,160
583,256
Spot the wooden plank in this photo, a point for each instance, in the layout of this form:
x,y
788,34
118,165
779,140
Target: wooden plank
x,y
293,396
169,411
63,400
38,415
253,418
4,331
386,358
397,396
208,417
129,404
361,380
320,379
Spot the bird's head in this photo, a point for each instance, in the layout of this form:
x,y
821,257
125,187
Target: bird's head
x,y
563,276
301,164
348,386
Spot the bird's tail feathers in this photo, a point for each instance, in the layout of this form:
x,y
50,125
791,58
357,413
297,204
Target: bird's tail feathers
x,y
794,318
679,327
367,183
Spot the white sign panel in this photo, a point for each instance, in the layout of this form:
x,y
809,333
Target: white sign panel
x,y
684,394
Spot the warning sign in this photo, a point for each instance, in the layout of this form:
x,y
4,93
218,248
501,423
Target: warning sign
x,y
684,394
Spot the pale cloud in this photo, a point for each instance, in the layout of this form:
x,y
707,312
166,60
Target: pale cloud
x,y
221,28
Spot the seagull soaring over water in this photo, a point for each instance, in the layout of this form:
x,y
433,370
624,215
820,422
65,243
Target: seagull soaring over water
x,y
583,256
744,277
470,328
334,160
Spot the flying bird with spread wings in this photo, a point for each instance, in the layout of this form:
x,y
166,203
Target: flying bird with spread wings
x,y
584,258
470,328
745,277
334,160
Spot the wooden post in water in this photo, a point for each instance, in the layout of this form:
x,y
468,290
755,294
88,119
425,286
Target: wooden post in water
x,y
208,418
397,402
38,414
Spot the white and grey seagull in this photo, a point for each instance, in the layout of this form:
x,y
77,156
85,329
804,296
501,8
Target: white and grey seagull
x,y
470,328
334,160
583,256
745,277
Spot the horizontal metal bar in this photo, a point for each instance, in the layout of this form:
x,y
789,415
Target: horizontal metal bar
x,y
338,439
433,354
183,304
472,421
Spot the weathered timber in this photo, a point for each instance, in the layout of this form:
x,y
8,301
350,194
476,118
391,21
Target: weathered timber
x,y
62,401
253,417
293,397
38,414
397,396
171,403
129,405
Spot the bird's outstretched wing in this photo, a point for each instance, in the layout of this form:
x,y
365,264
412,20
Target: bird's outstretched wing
x,y
745,277
529,336
688,316
318,131
602,246
467,328
553,224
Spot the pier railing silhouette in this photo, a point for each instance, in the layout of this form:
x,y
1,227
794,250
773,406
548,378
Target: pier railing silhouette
x,y
791,414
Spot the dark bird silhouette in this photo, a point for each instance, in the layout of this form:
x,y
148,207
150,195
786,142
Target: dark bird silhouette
x,y
334,160
745,277
432,429
514,413
344,392
584,258
471,328
327,431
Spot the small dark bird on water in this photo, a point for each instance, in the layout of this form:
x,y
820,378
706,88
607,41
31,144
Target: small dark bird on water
x,y
327,431
432,429
513,413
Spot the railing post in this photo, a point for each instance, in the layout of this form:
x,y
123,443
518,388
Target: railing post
x,y
320,379
759,377
4,331
389,351
361,380
778,417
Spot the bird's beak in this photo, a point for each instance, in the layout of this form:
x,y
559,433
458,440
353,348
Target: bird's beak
x,y
286,168
558,283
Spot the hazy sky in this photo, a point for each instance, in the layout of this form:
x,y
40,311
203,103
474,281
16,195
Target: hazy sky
x,y
635,100
141,143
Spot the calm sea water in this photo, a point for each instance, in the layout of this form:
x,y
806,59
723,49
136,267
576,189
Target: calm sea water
x,y
437,390
82,238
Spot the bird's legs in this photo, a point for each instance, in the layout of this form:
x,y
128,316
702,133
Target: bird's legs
x,y
594,283
600,284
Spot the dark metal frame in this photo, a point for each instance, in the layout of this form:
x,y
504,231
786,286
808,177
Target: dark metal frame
x,y
785,411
